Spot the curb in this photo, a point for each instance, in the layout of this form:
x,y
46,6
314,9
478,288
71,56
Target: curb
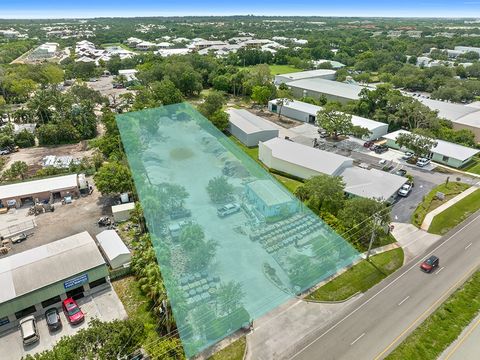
x,y
333,301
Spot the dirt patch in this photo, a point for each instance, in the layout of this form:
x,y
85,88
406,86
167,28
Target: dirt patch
x,y
81,215
33,156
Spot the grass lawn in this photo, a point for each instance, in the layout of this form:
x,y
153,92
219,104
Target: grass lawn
x,y
455,214
430,203
474,167
441,328
252,152
360,277
234,351
290,184
282,69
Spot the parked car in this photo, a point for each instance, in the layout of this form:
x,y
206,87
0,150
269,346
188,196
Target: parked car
x,y
423,162
430,264
401,172
118,86
28,328
373,147
368,143
405,190
228,209
18,238
53,319
72,311
381,149
323,134
407,155
5,151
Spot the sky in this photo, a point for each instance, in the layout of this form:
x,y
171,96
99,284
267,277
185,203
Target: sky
x,y
27,9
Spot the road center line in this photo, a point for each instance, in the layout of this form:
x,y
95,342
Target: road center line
x,y
401,302
438,272
358,338
415,262
466,247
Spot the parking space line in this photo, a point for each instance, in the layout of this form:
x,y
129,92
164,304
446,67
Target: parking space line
x,y
354,341
401,302
466,247
438,272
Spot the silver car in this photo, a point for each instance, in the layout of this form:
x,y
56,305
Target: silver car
x,y
28,328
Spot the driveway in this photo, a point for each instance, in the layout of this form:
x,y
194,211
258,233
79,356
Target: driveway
x,y
104,305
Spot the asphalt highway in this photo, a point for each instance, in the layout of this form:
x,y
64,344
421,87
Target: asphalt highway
x,y
378,321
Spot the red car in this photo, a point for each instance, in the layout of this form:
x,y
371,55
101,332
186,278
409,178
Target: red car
x,y
430,264
72,311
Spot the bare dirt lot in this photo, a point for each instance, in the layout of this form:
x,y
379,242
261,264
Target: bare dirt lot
x,y
282,121
81,215
33,156
104,85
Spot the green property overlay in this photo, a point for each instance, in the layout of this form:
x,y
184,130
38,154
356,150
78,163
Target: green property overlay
x,y
231,241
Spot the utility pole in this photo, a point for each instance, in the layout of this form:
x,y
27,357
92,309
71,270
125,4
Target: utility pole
x,y
372,236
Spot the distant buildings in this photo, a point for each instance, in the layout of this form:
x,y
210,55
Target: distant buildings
x,y
312,74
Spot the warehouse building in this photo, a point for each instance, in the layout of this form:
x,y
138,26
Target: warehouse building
x,y
461,116
26,192
250,128
312,74
306,112
305,162
447,153
36,279
332,90
113,248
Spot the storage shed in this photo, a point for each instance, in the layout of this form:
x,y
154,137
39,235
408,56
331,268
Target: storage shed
x,y
113,249
122,212
250,128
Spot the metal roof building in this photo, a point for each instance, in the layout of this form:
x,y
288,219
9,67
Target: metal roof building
x,y
333,90
250,129
41,277
304,162
311,74
444,152
306,112
113,248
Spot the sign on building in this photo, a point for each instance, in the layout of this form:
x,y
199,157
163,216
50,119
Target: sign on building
x,y
79,280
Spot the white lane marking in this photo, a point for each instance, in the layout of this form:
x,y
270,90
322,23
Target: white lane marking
x,y
401,302
466,247
358,338
379,292
438,272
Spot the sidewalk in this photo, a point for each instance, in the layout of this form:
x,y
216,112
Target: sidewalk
x,y
467,345
413,240
429,217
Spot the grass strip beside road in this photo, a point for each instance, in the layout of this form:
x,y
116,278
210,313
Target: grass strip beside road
x,y
430,202
234,351
360,277
441,328
455,214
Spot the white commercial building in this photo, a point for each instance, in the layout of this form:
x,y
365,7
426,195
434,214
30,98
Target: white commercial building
x,y
305,162
312,74
113,249
306,112
250,129
332,90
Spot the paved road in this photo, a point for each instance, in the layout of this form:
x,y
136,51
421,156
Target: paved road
x,y
376,323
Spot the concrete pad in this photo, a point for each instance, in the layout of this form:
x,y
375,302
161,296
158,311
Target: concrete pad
x,y
413,240
104,305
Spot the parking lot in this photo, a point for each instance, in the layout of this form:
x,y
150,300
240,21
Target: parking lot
x,y
82,214
104,85
104,305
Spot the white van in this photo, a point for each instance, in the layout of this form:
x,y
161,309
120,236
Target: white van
x,y
28,327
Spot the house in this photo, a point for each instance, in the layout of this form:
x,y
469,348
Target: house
x,y
33,280
170,52
306,112
270,199
332,90
335,64
312,74
145,45
305,162
113,249
250,129
447,153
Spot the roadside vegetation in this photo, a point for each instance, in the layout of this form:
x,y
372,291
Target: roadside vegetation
x,y
234,351
474,167
430,201
360,277
441,328
455,214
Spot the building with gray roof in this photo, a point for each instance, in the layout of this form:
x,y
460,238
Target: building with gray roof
x,y
250,129
36,279
333,90
311,74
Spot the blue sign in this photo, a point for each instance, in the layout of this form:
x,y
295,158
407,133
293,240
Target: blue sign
x,y
4,321
81,279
